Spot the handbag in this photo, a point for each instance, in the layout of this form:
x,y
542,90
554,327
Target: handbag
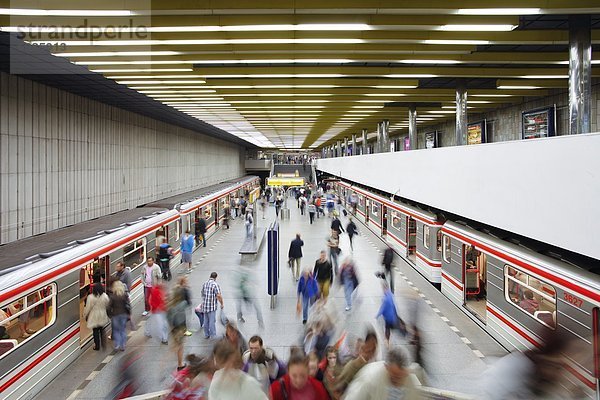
x,y
222,317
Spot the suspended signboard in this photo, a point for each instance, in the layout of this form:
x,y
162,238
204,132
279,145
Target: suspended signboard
x,y
285,181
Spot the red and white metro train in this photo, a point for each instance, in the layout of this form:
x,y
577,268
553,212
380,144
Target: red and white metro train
x,y
42,296
517,294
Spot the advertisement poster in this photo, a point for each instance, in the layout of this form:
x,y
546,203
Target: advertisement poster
x,y
538,123
476,133
431,140
406,143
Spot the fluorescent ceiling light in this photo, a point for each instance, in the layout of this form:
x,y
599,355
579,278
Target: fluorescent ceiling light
x,y
119,54
66,13
524,87
276,61
429,61
456,42
187,99
136,62
157,82
230,76
263,28
181,76
498,11
176,92
394,87
151,42
274,86
158,86
544,76
276,101
385,94
410,76
491,95
105,71
476,28
567,62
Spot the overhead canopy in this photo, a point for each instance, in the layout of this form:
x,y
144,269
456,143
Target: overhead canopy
x,y
302,74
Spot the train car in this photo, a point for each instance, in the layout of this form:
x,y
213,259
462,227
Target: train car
x,y
414,233
211,206
42,295
521,296
42,300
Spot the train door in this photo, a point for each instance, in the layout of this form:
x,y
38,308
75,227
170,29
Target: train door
x,y
367,210
217,213
475,280
596,336
411,238
94,272
384,220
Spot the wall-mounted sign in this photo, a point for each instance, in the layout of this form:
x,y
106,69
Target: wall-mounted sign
x,y
285,181
476,132
431,140
538,123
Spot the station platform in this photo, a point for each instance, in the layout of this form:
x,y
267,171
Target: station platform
x,y
456,349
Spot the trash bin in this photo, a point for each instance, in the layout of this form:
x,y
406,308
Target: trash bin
x,y
285,213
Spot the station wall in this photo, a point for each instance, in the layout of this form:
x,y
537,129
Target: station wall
x,y
505,123
65,159
545,189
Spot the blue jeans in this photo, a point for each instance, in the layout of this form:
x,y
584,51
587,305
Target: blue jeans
x,y
348,290
306,303
210,329
157,324
119,334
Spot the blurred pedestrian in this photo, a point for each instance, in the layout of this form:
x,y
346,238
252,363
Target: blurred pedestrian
x,y
176,315
333,243
351,230
226,215
119,310
329,371
235,337
295,256
165,253
384,380
323,273
229,382
312,209
262,364
388,311
349,280
246,296
123,274
95,313
307,291
366,354
200,230
388,263
157,325
297,383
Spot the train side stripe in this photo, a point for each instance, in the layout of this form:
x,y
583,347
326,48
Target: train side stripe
x,y
38,360
396,239
553,278
452,281
428,261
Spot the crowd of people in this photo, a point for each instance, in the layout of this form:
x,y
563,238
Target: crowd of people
x,y
328,361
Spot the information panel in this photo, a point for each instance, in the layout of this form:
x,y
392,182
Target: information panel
x,y
476,132
538,123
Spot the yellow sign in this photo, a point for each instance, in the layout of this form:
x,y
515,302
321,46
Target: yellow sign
x,y
254,195
285,181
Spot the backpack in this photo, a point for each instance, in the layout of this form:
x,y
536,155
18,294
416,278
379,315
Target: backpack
x,y
176,314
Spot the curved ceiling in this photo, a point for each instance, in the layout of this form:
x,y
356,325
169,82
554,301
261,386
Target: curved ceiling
x,y
301,74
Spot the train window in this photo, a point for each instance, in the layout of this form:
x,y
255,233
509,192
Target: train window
x,y
26,317
447,249
208,212
439,241
134,253
374,209
396,220
426,236
532,296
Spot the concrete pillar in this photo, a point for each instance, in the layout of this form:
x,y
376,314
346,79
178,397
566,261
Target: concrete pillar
x,y
412,127
385,136
339,148
364,141
346,147
461,114
580,73
354,149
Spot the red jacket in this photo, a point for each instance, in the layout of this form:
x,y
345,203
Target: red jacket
x,y
275,392
157,300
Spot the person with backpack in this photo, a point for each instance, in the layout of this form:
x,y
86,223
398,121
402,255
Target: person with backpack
x,y
307,291
388,261
295,256
165,253
176,315
200,227
262,364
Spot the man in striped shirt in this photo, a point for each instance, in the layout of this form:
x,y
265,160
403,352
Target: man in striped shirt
x,y
211,293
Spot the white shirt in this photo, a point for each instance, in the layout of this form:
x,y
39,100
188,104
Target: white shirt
x,y
234,385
